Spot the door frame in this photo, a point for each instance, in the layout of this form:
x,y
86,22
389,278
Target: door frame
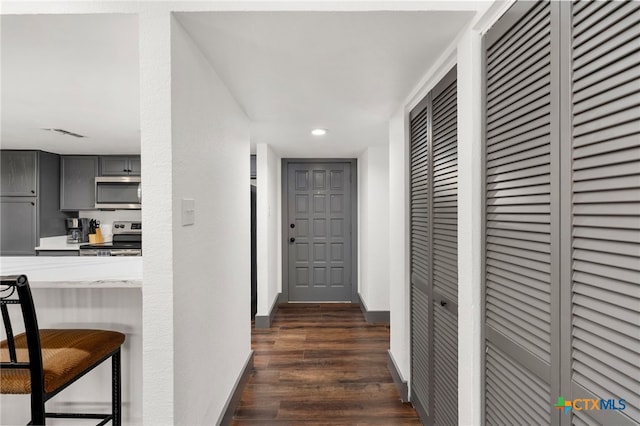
x,y
353,162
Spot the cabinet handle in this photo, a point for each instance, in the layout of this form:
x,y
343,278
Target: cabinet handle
x,y
443,303
33,204
33,191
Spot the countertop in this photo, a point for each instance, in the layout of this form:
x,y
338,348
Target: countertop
x,y
76,271
57,243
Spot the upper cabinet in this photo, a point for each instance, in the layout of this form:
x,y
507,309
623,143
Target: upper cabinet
x,y
116,165
19,173
78,182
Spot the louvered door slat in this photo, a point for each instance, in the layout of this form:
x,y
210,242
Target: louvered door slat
x,y
445,176
536,136
509,388
535,288
419,347
596,54
523,84
529,35
605,300
612,87
588,30
445,367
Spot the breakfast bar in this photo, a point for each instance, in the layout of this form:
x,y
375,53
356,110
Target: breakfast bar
x,y
86,292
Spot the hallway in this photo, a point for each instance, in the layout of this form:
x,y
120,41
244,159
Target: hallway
x,y
322,364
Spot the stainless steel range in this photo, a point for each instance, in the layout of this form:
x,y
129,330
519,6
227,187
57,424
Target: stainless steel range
x,y
127,241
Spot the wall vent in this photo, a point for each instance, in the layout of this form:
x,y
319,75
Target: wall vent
x,y
66,133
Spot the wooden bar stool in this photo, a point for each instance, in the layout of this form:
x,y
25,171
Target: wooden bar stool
x,y
44,362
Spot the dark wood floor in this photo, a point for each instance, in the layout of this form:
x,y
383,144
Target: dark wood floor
x,y
322,364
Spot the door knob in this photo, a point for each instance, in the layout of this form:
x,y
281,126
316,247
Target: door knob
x,y
293,225
292,240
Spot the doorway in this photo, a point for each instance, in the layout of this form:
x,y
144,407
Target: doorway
x,y
319,230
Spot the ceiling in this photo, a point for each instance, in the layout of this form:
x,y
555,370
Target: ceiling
x,y
290,72
73,72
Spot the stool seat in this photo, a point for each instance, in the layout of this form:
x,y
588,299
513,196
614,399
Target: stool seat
x,y
66,354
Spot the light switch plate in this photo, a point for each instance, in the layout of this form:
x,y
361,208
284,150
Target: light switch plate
x,y
188,211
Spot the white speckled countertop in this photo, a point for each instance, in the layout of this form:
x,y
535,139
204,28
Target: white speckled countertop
x,y
57,243
76,272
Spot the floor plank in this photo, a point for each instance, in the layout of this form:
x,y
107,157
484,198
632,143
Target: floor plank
x,y
321,364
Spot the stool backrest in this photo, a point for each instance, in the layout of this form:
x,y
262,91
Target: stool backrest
x,y
15,290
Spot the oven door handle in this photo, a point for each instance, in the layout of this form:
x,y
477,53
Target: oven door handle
x,y
121,252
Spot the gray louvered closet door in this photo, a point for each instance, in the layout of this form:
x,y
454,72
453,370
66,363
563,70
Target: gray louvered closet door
x,y
562,217
518,250
605,238
434,262
420,261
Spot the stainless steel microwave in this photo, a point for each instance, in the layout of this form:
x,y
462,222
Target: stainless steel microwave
x,y
118,192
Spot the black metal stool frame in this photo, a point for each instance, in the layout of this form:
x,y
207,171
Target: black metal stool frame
x,y
20,284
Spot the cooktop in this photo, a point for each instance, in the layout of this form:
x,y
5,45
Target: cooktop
x,y
113,245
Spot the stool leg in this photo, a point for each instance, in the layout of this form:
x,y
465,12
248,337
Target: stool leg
x,y
37,408
116,395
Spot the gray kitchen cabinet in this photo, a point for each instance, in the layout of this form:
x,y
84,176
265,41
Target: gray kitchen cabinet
x,y
120,165
25,219
19,226
77,182
19,171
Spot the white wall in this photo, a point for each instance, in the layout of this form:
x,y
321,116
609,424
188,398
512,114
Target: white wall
x,y
399,289
211,259
157,216
363,222
373,230
470,191
269,227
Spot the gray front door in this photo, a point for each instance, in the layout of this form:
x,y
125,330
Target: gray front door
x,y
319,231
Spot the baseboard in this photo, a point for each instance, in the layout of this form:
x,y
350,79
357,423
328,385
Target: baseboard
x,y
373,317
402,386
422,413
264,321
236,395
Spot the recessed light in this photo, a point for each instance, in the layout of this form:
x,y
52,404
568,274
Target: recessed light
x,y
319,132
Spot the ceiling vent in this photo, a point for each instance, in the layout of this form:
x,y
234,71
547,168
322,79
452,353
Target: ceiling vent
x,y
65,132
